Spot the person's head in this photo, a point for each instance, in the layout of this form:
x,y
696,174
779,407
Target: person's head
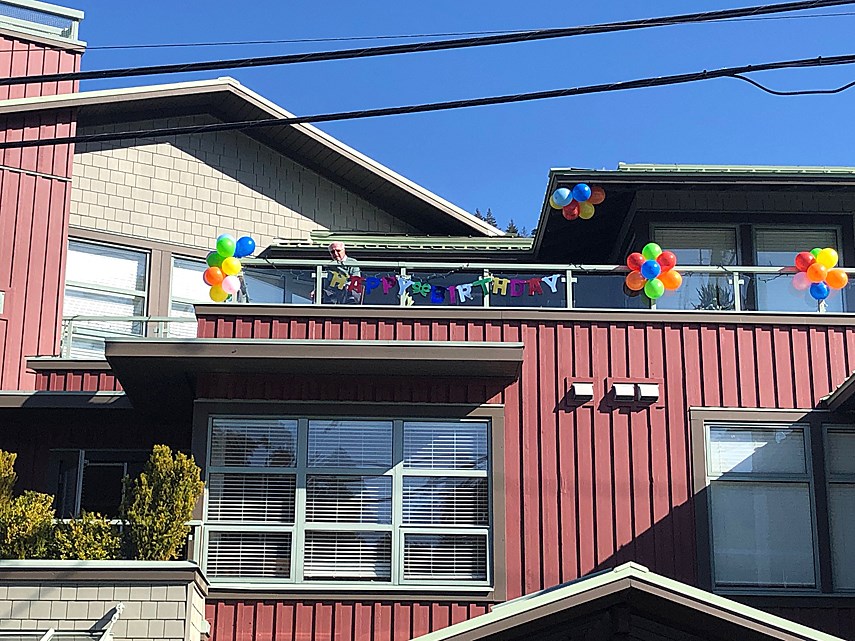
x,y
337,251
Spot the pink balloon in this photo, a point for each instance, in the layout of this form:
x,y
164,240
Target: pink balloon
x,y
230,284
801,281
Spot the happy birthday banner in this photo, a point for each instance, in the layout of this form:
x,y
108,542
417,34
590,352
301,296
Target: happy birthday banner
x,y
438,294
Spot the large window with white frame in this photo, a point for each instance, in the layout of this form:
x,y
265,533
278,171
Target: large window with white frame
x,y
186,289
348,501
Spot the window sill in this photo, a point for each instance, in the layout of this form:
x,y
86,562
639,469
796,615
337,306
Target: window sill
x,y
783,597
344,592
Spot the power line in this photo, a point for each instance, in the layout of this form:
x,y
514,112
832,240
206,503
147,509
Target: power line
x,y
661,81
435,45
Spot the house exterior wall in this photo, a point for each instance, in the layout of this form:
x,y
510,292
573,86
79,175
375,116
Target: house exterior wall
x,y
189,189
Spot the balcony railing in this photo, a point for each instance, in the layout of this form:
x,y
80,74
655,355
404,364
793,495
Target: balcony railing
x,y
83,336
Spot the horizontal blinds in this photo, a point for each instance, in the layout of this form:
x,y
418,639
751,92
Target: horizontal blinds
x,y
249,555
254,443
436,500
266,498
80,302
699,245
441,445
349,499
101,265
445,557
758,451
348,555
187,283
353,444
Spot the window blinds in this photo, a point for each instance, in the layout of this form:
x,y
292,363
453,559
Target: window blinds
x,y
699,245
251,498
348,555
445,445
249,554
254,443
445,501
445,557
351,444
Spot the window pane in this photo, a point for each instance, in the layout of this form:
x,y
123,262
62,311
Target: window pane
x,y
445,556
435,500
700,291
253,443
102,488
93,265
279,285
80,302
350,444
746,450
181,329
348,556
266,498
762,534
841,452
187,283
452,445
841,508
699,245
778,247
249,555
349,499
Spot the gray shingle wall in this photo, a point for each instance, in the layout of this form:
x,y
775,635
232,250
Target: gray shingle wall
x,y
192,188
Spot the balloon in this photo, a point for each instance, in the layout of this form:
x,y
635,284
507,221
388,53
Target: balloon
x,y
650,269
214,259
213,276
562,197
598,195
226,246
634,261
581,192
819,291
654,289
816,273
827,258
231,284
804,260
815,251
586,211
244,246
553,204
651,251
217,294
672,279
801,281
836,278
635,281
571,211
666,260
231,266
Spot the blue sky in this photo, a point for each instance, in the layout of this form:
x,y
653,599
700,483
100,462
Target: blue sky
x,y
499,157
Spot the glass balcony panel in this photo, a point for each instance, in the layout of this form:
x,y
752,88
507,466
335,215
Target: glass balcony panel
x,y
775,293
292,286
526,289
380,287
605,291
428,284
699,291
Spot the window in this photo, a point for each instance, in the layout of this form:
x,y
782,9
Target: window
x,y
347,501
91,480
767,512
102,280
187,288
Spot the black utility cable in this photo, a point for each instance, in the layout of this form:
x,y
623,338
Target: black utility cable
x,y
677,79
435,45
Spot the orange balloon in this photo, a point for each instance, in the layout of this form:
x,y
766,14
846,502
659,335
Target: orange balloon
x,y
598,195
836,278
671,279
635,281
816,273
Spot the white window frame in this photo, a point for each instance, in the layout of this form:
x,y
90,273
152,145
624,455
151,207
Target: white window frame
x,y
399,530
105,289
835,479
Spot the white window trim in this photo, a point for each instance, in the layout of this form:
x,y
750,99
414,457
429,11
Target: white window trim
x,y
398,529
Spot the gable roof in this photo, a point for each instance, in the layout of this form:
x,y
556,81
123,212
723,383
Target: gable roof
x,y
228,100
519,618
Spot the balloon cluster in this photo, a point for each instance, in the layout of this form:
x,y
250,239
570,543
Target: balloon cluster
x,y
577,202
817,273
653,271
224,266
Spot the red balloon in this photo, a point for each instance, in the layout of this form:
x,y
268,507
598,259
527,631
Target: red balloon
x,y
213,276
666,260
571,211
635,260
804,260
598,195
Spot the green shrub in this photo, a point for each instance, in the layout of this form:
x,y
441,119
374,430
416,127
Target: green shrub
x,y
157,505
7,475
91,537
26,526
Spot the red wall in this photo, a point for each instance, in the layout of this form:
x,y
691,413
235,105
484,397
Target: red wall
x,y
34,203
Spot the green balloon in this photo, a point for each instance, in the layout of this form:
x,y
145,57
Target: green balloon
x,y
815,251
214,259
654,288
226,246
651,251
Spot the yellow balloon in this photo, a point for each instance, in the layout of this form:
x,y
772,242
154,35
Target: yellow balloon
x,y
586,210
827,258
217,294
231,266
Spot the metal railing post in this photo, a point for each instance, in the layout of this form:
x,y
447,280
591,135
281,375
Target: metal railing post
x,y
737,283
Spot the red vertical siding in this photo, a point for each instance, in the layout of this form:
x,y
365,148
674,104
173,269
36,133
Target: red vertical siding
x,y
34,206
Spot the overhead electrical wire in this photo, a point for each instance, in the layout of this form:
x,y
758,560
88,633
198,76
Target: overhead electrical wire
x,y
434,45
661,81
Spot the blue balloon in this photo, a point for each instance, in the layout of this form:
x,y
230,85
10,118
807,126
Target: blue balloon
x,y
819,291
650,269
581,192
562,197
244,246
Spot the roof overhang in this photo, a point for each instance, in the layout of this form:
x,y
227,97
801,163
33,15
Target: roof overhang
x,y
63,400
156,373
842,399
